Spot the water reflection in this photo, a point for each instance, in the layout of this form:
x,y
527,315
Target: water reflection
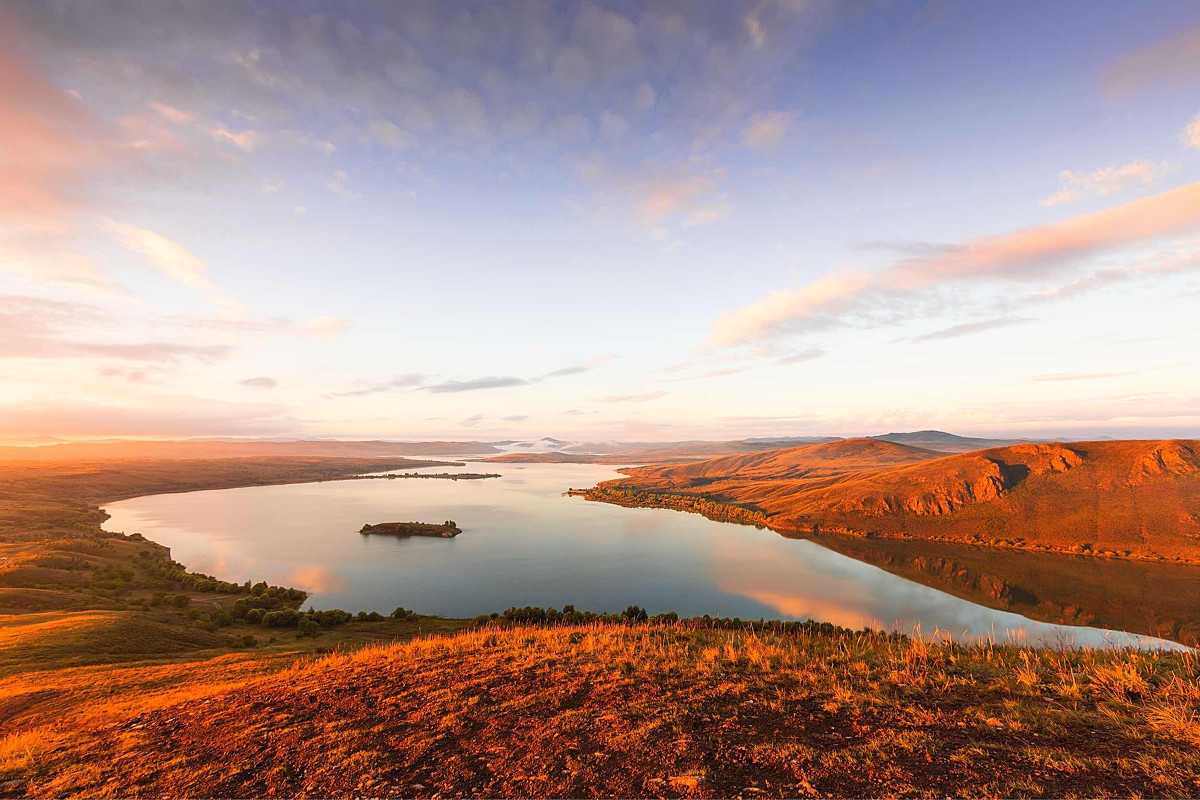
x,y
525,544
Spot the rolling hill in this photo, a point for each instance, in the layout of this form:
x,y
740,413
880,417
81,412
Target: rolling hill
x,y
1129,499
943,442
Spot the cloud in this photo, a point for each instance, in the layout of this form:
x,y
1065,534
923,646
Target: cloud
x,y
687,193
1173,60
260,383
642,397
472,421
157,415
1191,134
405,381
476,384
811,354
1074,186
516,418
386,132
1055,377
169,258
48,141
165,352
970,328
36,328
1026,255
325,327
766,130
245,140
1097,280
644,97
575,369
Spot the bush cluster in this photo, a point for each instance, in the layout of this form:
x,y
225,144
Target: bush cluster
x,y
635,615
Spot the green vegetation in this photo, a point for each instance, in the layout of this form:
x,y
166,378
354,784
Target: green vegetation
x,y
445,530
711,508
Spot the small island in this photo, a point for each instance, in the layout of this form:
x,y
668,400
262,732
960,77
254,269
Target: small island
x,y
446,530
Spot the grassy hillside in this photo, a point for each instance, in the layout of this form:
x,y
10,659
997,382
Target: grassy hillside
x,y
1129,499
626,711
200,449
73,594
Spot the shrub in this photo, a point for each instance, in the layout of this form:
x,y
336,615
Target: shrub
x,y
254,616
403,613
284,618
635,614
307,626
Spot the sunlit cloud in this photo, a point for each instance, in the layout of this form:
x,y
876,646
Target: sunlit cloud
x,y
639,397
151,415
1029,254
766,130
1191,134
476,384
48,142
1059,377
1075,186
1172,60
168,257
260,382
971,328
325,327
405,381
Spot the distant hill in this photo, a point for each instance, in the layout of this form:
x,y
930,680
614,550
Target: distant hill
x,y
946,442
806,461
225,449
1135,499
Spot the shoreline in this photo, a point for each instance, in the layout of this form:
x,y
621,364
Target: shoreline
x,y
743,516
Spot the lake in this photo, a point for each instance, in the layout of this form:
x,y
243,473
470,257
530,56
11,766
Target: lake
x,y
525,543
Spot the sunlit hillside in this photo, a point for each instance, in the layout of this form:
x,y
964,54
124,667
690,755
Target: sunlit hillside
x,y
1133,499
626,711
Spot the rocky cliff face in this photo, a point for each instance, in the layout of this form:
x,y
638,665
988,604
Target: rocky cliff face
x,y
1165,458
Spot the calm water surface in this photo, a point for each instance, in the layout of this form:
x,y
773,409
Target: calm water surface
x,y
523,543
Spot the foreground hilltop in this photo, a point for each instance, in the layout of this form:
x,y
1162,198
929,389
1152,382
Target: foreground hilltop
x,y
1132,499
631,711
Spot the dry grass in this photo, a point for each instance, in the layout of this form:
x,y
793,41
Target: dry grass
x,y
609,710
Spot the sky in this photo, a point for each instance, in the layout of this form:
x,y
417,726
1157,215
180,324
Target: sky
x,y
598,220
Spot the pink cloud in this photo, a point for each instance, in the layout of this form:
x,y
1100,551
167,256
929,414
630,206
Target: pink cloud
x,y
47,141
1023,255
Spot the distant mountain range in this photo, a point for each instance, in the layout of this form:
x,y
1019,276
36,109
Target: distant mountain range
x,y
944,442
543,448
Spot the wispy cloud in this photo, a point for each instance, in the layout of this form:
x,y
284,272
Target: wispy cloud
x,y
766,130
970,328
1191,134
168,257
642,397
475,384
1029,254
576,369
1172,60
154,415
405,381
1115,178
1055,377
260,383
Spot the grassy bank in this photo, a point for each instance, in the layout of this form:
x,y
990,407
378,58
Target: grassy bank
x,y
649,710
